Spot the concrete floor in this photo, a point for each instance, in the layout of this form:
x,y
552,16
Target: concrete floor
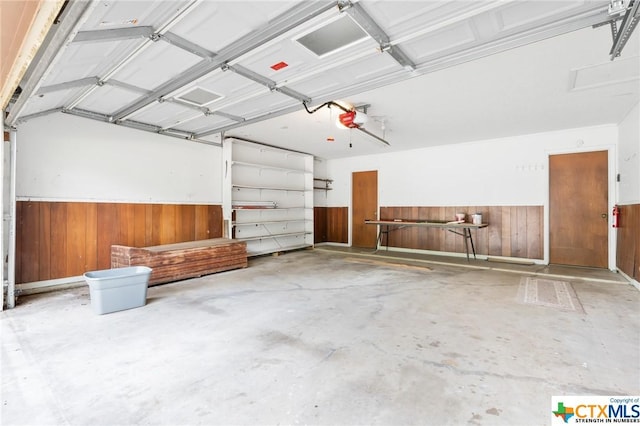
x,y
324,337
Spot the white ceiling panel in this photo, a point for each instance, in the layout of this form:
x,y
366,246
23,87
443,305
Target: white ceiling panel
x,y
301,61
125,14
297,58
449,38
368,68
159,63
229,84
486,25
215,25
204,122
85,59
320,83
624,70
400,19
107,99
165,114
525,12
49,101
256,106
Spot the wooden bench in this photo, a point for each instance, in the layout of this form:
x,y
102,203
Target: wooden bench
x,y
173,262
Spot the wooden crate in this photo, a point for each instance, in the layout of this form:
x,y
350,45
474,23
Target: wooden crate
x,y
173,262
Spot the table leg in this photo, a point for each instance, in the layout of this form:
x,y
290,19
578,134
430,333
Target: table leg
x,y
466,243
471,239
379,239
387,237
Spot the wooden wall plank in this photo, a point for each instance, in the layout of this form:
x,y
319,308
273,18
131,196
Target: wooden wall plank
x,y
44,241
450,238
139,225
185,223
202,227
127,223
156,224
215,221
412,233
168,224
331,224
519,231
436,236
628,241
385,214
148,225
344,222
423,233
535,232
494,230
319,225
481,236
108,232
26,242
76,237
58,239
389,214
337,224
91,235
399,234
505,234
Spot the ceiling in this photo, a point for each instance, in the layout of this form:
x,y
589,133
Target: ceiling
x,y
426,72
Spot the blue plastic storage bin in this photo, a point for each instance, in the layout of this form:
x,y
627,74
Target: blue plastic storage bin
x,y
118,289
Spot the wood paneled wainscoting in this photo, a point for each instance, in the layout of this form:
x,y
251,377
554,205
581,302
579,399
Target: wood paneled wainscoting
x,y
628,245
331,224
66,239
513,231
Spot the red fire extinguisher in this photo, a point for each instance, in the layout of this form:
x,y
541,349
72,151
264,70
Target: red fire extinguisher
x,y
616,216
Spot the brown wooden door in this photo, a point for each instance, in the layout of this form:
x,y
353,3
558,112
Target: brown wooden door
x,y
364,205
578,209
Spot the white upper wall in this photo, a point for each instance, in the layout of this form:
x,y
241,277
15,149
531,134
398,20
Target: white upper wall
x,y
63,157
66,158
629,158
508,171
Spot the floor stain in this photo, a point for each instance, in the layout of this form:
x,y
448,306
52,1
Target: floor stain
x,y
493,411
450,362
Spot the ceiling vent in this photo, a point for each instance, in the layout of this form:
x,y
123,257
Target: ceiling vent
x,y
198,96
333,36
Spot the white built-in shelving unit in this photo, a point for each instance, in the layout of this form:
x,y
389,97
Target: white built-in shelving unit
x,y
267,196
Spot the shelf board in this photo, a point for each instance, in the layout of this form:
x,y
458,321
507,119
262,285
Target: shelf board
x,y
268,188
270,221
295,247
274,236
265,167
277,208
324,189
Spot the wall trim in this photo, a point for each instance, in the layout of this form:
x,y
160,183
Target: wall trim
x,y
44,286
633,282
107,200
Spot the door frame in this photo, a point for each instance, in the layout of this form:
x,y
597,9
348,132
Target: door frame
x,y
612,194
